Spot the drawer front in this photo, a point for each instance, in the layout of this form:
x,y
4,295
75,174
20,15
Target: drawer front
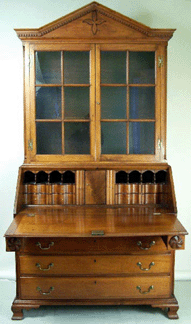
x,y
94,264
95,288
101,245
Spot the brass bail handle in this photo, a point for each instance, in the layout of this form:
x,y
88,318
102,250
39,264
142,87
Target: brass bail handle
x,y
45,293
44,269
145,292
44,248
139,243
145,269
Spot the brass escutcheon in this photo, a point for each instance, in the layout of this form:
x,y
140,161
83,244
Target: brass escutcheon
x,y
97,232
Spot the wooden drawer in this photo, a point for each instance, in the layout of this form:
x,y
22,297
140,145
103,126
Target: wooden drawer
x,y
94,264
95,288
100,245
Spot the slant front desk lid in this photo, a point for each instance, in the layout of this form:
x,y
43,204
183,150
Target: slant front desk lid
x,y
80,221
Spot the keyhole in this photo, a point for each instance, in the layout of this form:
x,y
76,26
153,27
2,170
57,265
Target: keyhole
x,y
95,282
94,260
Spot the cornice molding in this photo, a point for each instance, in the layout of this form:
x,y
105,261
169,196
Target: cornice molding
x,y
163,33
57,23
98,8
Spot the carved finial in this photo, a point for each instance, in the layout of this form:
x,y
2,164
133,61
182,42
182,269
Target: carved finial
x,y
94,22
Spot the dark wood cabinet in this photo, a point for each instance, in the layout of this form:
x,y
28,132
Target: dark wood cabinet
x,y
95,217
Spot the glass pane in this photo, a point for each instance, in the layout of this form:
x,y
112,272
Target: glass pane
x,y
48,67
141,137
48,102
142,102
113,138
113,67
76,67
76,102
113,102
142,67
49,138
77,138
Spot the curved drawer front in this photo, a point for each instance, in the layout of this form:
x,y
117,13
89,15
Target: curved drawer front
x,y
94,264
101,245
95,288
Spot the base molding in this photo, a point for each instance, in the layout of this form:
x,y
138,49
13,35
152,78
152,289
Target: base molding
x,y
169,304
172,308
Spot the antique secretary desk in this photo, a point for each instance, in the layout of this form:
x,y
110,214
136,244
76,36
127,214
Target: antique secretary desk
x,y
95,218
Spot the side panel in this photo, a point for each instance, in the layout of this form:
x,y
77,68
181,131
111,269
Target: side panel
x,y
19,197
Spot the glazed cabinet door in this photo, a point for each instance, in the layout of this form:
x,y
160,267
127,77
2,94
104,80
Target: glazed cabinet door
x,y
128,102
94,103
62,85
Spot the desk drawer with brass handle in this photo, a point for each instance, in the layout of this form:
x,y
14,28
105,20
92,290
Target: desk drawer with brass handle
x,y
94,264
90,245
95,287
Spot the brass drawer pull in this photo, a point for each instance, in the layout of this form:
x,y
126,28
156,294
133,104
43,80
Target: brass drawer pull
x,y
139,243
44,248
145,292
145,269
45,293
46,269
